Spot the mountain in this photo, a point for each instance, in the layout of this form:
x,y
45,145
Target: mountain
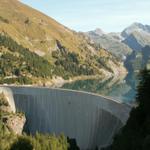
x,y
139,60
116,35
36,49
138,27
35,30
96,32
111,42
133,38
137,36
135,62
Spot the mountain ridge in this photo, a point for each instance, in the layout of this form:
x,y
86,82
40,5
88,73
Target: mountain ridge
x,y
111,42
67,53
133,38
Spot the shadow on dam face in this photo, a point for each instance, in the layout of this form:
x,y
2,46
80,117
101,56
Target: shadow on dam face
x,y
90,119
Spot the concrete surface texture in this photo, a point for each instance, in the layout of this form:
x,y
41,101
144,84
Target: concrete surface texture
x,y
90,119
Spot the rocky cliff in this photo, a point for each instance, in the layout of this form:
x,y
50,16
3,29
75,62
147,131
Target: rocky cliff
x,y
12,121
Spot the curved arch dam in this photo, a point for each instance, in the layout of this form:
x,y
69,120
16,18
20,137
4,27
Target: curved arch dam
x,y
91,119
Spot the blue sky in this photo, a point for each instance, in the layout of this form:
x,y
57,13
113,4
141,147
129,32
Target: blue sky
x,y
85,15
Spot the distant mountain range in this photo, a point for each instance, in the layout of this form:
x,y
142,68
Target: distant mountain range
x,y
133,38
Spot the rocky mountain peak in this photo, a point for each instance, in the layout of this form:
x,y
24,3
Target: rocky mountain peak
x,y
136,27
99,31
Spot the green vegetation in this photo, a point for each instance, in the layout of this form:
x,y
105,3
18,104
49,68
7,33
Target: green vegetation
x,y
40,142
20,65
25,62
69,64
9,141
18,80
103,63
135,135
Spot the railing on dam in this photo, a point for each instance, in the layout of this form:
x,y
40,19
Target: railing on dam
x,y
89,118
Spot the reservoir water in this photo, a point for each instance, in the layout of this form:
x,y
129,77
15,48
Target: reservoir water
x,y
122,90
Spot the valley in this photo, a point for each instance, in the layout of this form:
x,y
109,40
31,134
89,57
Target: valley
x,y
55,56
62,89
132,46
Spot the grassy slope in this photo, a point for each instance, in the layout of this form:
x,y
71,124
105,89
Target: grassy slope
x,y
40,34
39,28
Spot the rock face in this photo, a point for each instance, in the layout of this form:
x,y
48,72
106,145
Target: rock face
x,y
111,42
14,122
137,40
9,98
136,36
135,27
90,119
133,38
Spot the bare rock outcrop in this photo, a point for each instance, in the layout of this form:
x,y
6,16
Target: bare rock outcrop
x,y
14,122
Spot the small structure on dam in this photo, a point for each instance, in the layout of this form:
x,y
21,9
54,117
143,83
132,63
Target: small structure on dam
x,y
90,119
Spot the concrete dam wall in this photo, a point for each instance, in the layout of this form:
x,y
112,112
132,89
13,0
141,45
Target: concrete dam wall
x,y
9,96
90,119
